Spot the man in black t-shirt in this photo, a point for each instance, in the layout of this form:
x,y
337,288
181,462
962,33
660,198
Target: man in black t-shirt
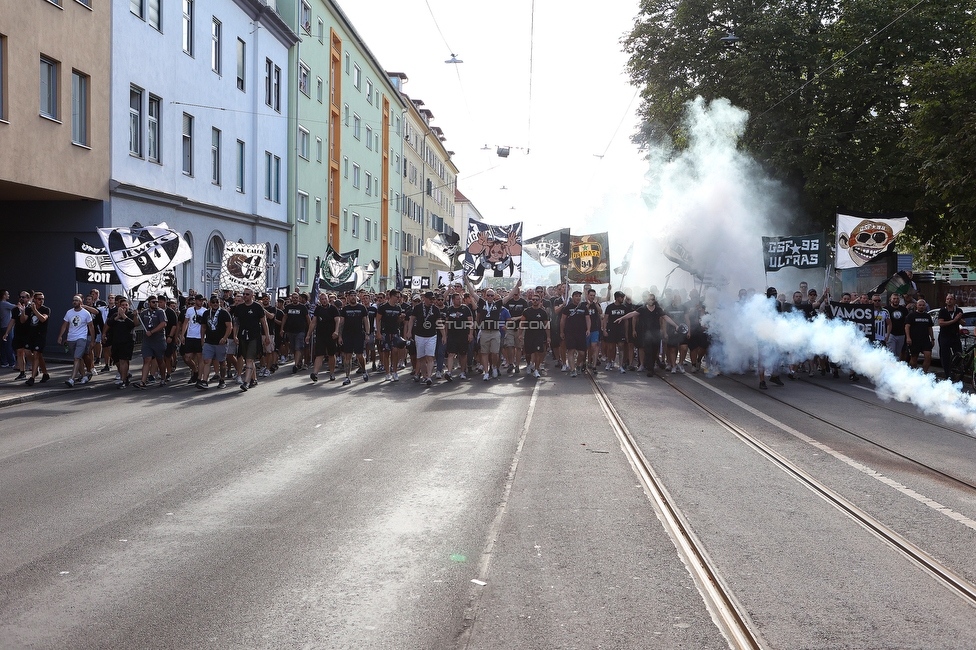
x,y
652,319
459,324
424,324
513,342
918,335
389,323
615,331
217,328
35,316
574,329
535,324
324,320
950,319
251,333
896,333
353,326
295,327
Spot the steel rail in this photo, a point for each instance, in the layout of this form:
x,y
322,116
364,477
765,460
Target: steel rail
x,y
948,578
728,614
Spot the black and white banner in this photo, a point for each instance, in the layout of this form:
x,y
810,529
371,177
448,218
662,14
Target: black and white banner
x,y
797,251
862,238
93,265
338,270
861,315
445,247
244,267
495,251
141,256
447,278
551,249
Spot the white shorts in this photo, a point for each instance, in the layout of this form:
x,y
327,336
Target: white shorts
x,y
426,346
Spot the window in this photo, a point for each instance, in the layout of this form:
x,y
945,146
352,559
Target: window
x,y
395,238
272,85
368,231
301,271
369,91
152,148
135,121
376,230
355,225
135,6
319,94
318,210
303,142
277,89
356,126
318,149
369,137
345,166
215,156
215,46
369,183
272,177
79,108
49,88
188,26
241,63
355,175
305,17
304,76
345,219
302,208
357,76
187,144
155,14
398,125
321,31
347,62
240,166
345,114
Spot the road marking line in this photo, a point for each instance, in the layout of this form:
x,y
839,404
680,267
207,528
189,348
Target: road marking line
x,y
904,489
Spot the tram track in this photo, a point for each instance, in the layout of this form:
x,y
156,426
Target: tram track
x,y
942,574
969,485
728,614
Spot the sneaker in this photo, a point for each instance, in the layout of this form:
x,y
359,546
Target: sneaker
x,y
574,373
313,377
681,370
30,381
70,383
243,387
565,367
118,375
365,376
21,376
294,369
389,377
462,376
193,379
650,373
622,371
516,370
140,385
202,385
486,378
674,370
239,380
396,376
152,379
792,375
331,377
776,380
221,384
535,373
166,380
762,385
438,375
106,368
86,379
854,377
119,382
346,381
608,367
45,377
448,377
494,373
428,382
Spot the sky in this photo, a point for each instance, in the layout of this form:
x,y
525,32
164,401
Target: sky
x,y
582,105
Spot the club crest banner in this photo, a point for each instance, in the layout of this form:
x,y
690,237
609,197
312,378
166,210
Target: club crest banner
x,y
93,264
551,249
863,238
244,267
337,270
446,248
589,259
493,251
141,256
798,251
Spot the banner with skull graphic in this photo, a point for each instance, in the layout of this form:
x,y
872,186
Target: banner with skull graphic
x,y
495,251
338,271
141,256
862,238
551,249
589,259
244,267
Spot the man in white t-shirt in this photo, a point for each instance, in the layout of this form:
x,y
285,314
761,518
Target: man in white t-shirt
x,y
193,337
80,327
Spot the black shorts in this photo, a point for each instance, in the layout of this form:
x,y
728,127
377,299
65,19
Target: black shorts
x,y
250,350
354,345
616,335
325,345
122,352
390,342
698,340
534,343
193,346
918,347
35,344
19,342
170,349
456,345
576,341
677,339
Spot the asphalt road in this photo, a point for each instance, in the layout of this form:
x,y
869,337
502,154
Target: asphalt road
x,y
469,515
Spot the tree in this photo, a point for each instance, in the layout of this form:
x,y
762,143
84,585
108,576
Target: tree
x,y
833,90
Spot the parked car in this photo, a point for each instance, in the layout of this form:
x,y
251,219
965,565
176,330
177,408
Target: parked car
x,y
968,324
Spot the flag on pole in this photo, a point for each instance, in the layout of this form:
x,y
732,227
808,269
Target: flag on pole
x,y
495,251
141,256
93,264
624,267
446,248
863,238
551,249
338,270
244,267
399,277
589,259
799,251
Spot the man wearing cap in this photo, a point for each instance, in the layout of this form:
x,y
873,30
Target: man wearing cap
x,y
153,321
217,328
489,314
351,330
324,320
192,336
424,324
251,324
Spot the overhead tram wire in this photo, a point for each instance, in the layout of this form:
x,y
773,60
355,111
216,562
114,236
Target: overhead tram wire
x,y
620,124
528,135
